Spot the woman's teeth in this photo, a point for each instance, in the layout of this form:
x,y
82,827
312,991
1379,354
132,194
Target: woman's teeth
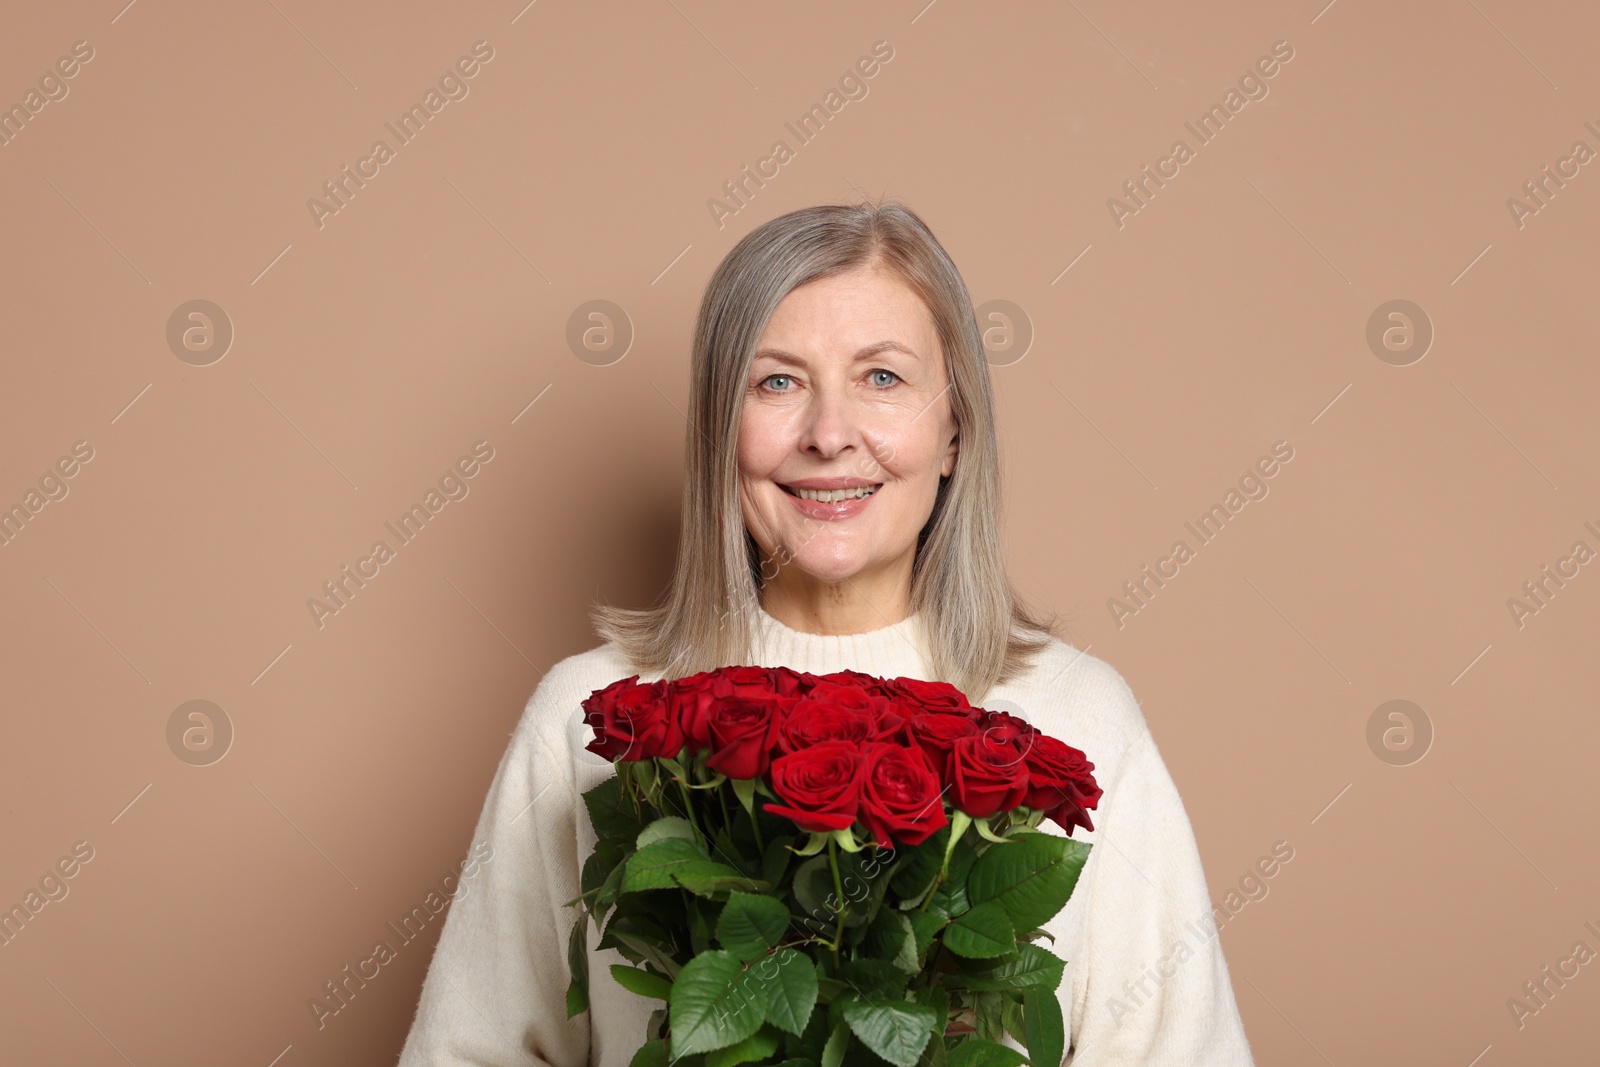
x,y
832,496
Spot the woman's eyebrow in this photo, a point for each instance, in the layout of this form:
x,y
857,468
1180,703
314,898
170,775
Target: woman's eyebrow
x,y
780,356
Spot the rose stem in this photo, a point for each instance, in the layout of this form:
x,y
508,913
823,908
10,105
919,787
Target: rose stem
x,y
838,895
688,806
755,824
727,820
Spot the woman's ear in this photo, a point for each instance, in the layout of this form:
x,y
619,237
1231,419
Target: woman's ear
x,y
950,456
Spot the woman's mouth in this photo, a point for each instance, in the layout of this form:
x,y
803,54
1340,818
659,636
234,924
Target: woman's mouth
x,y
831,496
832,505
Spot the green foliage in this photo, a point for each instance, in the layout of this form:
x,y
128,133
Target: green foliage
x,y
980,1053
1029,966
758,1046
578,963
983,930
1043,1028
644,983
716,1001
1032,877
791,984
674,861
751,925
896,1030
774,947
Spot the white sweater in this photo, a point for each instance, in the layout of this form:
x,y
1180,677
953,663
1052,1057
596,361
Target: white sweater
x,y
1145,983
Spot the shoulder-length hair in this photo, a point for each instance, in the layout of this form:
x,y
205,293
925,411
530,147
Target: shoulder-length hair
x,y
979,631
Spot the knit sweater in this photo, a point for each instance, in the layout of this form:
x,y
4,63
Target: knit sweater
x,y
1145,982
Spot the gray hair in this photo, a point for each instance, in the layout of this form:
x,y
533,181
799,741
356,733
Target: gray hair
x,y
979,630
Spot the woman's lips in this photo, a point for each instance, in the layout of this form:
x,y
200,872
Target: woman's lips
x,y
843,509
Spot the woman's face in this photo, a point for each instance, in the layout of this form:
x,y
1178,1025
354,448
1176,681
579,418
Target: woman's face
x,y
847,390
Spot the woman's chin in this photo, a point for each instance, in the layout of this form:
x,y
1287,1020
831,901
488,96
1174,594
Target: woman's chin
x,y
832,570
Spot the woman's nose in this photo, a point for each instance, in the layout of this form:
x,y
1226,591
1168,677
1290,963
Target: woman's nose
x,y
831,422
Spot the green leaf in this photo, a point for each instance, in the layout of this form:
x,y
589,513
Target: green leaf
x,y
874,978
745,790
1011,1017
609,813
891,937
1043,1027
1032,878
776,860
937,998
671,862
641,982
925,926
578,964
987,1019
981,931
758,1046
1033,966
699,927
808,1043
916,872
833,1051
610,890
751,925
718,878
790,981
896,1030
813,892
602,861
716,1002
652,1053
976,1052
646,951
665,827
951,895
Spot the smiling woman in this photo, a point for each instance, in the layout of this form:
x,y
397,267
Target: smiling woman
x,y
841,512
845,436
836,348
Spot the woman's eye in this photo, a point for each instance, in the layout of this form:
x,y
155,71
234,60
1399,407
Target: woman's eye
x,y
890,373
771,377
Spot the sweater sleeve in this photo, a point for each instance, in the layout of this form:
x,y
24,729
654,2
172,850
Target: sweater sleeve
x,y
495,992
1153,987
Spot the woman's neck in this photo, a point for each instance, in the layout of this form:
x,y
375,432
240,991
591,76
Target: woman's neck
x,y
891,649
854,606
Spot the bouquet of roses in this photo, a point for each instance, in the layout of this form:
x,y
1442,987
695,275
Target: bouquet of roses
x,y
909,941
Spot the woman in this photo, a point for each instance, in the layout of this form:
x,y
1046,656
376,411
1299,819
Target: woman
x,y
840,512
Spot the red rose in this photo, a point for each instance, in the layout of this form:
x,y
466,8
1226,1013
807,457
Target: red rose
x,y
820,786
632,722
936,732
930,696
742,729
1004,726
690,698
901,800
791,683
744,680
814,719
987,775
1060,783
871,683
845,695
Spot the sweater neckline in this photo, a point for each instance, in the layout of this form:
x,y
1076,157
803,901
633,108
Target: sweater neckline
x,y
898,649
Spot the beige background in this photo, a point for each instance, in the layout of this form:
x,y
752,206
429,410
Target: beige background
x,y
369,354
